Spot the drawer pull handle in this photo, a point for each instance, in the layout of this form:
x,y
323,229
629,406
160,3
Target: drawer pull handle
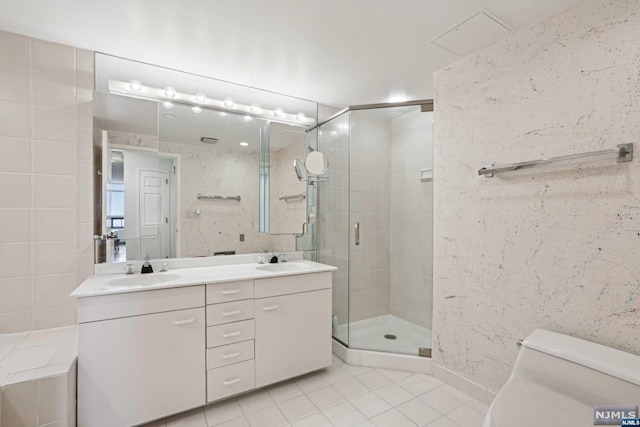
x,y
231,292
230,313
231,334
230,355
271,307
232,381
184,322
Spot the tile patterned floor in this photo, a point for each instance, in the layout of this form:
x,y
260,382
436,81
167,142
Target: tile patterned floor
x,y
342,396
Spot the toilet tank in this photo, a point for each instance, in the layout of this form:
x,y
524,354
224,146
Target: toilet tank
x,y
558,379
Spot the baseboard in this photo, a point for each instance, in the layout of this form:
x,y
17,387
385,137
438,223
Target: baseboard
x,y
378,359
478,392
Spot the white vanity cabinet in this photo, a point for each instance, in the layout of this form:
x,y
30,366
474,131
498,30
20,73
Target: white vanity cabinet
x,y
140,362
293,330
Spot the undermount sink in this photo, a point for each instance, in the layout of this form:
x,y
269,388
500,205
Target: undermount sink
x,y
283,267
143,279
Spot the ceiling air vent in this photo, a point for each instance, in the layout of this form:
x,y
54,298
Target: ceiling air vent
x,y
474,33
208,140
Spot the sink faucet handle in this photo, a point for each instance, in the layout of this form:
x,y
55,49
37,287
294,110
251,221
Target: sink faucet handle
x,y
283,257
146,259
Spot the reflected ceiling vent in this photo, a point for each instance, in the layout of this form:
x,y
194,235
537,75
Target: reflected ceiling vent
x,y
474,33
208,140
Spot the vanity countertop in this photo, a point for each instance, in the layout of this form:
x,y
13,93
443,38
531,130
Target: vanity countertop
x,y
107,284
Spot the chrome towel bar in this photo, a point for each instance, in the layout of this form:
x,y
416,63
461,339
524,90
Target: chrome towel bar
x,y
203,197
286,198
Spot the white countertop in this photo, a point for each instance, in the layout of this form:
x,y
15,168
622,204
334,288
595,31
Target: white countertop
x,y
107,284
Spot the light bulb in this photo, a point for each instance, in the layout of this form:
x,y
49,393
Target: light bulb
x,y
255,108
248,118
300,117
228,102
244,144
167,104
196,109
135,85
169,92
278,112
201,98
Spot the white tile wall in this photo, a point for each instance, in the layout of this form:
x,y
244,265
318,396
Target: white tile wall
x,y
45,174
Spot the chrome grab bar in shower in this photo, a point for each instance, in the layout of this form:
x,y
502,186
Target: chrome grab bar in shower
x,y
357,233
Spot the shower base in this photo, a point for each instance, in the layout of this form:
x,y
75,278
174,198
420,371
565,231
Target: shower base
x,y
369,334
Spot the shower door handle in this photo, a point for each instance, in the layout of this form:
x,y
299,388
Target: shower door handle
x,y
357,233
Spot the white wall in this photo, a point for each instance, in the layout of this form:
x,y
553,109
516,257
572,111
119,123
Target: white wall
x,y
46,202
550,248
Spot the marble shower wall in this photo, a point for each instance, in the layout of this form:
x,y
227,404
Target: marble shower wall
x,y
211,170
411,238
550,248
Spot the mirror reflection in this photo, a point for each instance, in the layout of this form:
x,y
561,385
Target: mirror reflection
x,y
182,177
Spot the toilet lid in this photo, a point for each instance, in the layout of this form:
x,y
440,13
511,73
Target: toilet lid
x,y
525,404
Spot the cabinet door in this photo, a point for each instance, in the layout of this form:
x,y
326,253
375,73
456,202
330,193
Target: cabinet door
x,y
293,335
137,369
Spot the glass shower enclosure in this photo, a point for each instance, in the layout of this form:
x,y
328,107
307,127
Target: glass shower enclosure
x,y
375,223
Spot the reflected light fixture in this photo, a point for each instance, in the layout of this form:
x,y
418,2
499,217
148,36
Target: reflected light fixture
x,y
255,108
167,104
223,114
135,85
228,102
248,118
244,144
196,109
300,117
201,98
169,92
278,112
395,99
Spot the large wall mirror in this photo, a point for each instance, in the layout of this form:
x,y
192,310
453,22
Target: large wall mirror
x,y
188,166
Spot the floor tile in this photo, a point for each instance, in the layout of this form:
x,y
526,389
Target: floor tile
x,y
393,394
350,388
392,418
312,382
267,417
238,422
297,408
455,393
442,422
441,401
416,385
370,404
466,416
325,398
315,420
474,404
193,418
355,370
335,373
394,375
256,400
284,391
419,412
344,415
373,380
224,411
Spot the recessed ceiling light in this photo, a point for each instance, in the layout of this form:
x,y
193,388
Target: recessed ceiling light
x,y
394,99
169,92
169,116
278,112
167,104
244,144
196,109
228,102
201,98
255,108
248,118
135,85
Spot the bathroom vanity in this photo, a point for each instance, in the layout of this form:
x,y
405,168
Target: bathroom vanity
x,y
159,344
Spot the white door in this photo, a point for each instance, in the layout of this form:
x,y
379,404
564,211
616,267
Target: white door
x,y
154,213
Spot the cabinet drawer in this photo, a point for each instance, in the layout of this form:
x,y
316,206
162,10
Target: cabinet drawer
x,y
229,380
228,354
230,333
275,286
231,291
229,312
128,304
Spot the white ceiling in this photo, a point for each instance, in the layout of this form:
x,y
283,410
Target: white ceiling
x,y
336,52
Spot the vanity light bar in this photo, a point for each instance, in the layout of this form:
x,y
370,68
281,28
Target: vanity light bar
x,y
149,93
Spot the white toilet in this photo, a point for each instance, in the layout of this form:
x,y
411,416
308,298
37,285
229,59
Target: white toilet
x,y
558,379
